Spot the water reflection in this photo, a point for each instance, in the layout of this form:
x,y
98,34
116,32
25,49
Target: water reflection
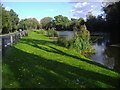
x,y
113,53
68,34
105,54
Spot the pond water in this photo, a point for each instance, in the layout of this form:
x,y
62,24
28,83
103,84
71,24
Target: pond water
x,y
104,54
66,33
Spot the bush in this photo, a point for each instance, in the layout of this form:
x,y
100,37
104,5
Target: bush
x,y
66,42
82,45
52,33
41,31
82,40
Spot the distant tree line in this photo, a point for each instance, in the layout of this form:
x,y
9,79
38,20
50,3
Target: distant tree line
x,y
10,22
61,23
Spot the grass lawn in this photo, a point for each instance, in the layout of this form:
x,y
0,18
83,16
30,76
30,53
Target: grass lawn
x,y
37,62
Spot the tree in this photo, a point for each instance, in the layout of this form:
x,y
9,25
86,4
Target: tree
x,y
112,12
91,22
14,19
39,26
9,20
61,22
30,23
6,21
46,22
76,23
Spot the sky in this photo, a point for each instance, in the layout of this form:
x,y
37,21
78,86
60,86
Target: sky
x,y
40,10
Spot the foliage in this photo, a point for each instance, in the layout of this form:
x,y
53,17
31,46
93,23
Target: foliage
x,y
95,24
39,26
112,12
36,62
76,24
52,33
82,39
6,22
14,20
64,41
9,20
41,31
46,22
27,24
61,22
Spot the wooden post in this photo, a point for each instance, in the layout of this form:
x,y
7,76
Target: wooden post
x,y
0,48
3,46
11,40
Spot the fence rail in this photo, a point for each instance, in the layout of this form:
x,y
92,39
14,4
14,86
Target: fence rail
x,y
8,40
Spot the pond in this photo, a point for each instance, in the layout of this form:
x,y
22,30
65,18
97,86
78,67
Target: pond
x,y
104,54
66,33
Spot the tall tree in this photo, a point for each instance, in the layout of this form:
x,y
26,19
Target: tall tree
x,y
46,22
112,12
6,21
14,19
30,23
61,22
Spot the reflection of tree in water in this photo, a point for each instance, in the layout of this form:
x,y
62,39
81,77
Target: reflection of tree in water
x,y
100,41
113,53
103,40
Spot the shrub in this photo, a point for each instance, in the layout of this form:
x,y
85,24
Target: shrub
x,y
52,33
66,42
41,31
82,40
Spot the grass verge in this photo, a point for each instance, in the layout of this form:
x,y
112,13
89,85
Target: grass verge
x,y
37,62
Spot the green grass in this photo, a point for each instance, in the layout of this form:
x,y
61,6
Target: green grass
x,y
37,62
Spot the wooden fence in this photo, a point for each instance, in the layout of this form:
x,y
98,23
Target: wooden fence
x,y
8,40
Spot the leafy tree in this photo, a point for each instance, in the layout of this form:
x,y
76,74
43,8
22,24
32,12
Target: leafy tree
x,y
9,20
73,19
95,24
46,22
91,22
112,12
30,23
76,23
39,26
6,21
61,22
14,19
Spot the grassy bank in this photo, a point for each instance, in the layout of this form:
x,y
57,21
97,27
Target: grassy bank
x,y
37,62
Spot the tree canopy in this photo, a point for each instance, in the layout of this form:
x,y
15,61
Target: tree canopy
x,y
46,22
30,23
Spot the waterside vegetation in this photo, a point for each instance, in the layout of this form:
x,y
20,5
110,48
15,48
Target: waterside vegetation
x,y
37,62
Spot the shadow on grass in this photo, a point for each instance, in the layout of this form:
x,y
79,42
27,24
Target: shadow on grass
x,y
34,71
34,43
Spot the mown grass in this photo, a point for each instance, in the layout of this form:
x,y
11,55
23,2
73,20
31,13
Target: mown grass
x,y
37,62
